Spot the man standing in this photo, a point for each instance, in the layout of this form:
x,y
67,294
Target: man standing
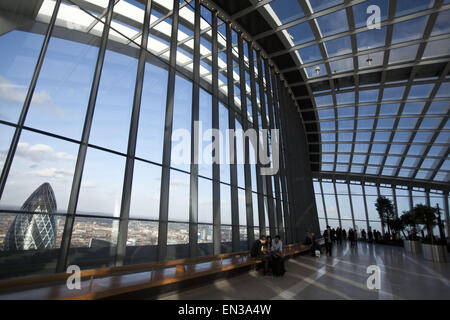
x,y
328,240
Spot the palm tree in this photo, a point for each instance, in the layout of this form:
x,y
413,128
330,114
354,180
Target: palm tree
x,y
385,210
426,215
408,220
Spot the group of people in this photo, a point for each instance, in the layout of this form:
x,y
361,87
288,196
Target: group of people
x,y
332,235
271,253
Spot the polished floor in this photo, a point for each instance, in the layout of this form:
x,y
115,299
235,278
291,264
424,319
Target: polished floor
x,y
342,276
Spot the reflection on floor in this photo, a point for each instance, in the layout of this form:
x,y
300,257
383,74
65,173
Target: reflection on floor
x,y
342,276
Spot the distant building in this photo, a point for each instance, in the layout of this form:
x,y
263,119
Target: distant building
x,y
34,231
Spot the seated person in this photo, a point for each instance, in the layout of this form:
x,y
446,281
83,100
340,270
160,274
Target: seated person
x,y
277,257
259,253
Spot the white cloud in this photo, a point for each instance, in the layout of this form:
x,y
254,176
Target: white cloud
x,y
39,152
63,156
51,173
89,184
10,91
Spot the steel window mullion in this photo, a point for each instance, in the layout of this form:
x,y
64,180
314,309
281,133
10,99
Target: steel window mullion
x,y
193,198
215,125
284,179
323,202
447,215
363,188
167,149
282,174
351,205
268,182
76,182
394,194
275,177
259,180
134,124
245,126
235,234
337,205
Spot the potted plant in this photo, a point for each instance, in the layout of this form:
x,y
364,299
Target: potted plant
x,y
385,211
396,225
411,242
431,248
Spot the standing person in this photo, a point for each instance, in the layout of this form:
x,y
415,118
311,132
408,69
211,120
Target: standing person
x,y
370,235
339,235
351,236
363,234
333,235
257,252
344,234
328,240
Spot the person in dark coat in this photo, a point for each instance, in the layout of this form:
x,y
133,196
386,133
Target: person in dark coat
x,y
351,237
370,236
259,253
344,234
339,235
328,240
363,234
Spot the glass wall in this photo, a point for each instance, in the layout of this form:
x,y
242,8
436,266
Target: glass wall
x,y
105,143
363,197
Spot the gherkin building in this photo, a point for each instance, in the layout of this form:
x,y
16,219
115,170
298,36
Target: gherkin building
x,y
34,231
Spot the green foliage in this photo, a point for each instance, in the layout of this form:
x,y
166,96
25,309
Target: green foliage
x,y
385,210
409,223
426,216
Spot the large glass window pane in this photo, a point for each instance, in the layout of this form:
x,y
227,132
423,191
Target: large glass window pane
x,y
330,203
101,184
333,23
359,210
93,242
205,135
371,209
39,161
224,144
242,208
18,57
344,207
287,10
371,39
409,30
112,115
35,238
301,33
177,240
225,204
142,241
150,137
205,201
145,192
179,194
181,128
64,84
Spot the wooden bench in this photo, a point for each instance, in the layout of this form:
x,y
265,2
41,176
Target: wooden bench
x,y
109,282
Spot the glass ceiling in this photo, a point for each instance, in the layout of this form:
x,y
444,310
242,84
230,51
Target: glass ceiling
x,y
385,128
395,129
124,31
